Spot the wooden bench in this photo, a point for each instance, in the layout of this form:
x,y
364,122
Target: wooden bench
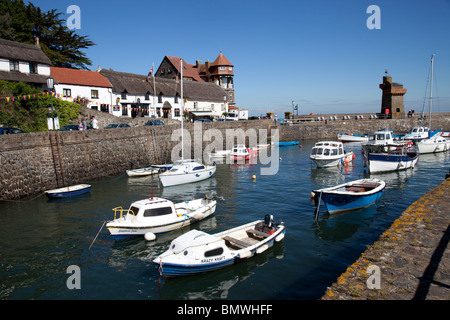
x,y
257,233
237,242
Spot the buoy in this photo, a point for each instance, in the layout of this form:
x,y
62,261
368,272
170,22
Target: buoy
x,y
149,236
300,146
346,160
312,194
254,177
280,158
353,157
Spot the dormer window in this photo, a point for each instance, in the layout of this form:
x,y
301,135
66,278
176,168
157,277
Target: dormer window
x,y
13,65
33,67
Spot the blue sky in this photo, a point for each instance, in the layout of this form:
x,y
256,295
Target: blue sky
x,y
319,54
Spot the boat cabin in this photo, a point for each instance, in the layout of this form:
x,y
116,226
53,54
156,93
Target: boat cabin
x,y
240,149
380,137
328,148
418,133
146,208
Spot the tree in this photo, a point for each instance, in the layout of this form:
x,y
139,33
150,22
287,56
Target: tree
x,y
23,23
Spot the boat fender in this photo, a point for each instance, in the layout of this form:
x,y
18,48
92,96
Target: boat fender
x,y
149,236
199,216
279,237
244,254
262,249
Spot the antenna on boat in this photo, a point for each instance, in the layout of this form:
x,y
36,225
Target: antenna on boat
x,y
153,190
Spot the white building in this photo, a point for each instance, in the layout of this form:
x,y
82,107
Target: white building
x,y
23,62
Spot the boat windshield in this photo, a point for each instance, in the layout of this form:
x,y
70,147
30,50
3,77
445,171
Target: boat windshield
x,y
157,211
133,211
198,168
334,152
326,152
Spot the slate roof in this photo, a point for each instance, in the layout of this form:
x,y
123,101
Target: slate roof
x,y
140,85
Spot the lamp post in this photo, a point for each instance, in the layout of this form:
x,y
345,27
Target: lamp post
x,y
50,87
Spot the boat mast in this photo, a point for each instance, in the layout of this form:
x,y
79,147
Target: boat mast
x,y
431,91
182,110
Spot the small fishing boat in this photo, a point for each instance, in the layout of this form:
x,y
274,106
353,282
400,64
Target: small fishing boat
x,y
197,251
70,191
218,156
241,152
186,171
285,143
351,195
330,154
142,172
153,216
349,137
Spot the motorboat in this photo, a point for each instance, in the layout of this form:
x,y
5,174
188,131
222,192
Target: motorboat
x,y
186,171
350,196
69,191
218,156
241,152
383,154
142,172
196,251
417,133
349,137
158,215
330,154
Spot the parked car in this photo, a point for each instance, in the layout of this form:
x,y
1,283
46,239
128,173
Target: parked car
x,y
154,123
73,127
203,120
10,130
117,125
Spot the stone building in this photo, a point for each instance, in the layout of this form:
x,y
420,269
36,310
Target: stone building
x,y
392,102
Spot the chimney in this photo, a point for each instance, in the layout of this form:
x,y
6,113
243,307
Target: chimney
x,y
36,41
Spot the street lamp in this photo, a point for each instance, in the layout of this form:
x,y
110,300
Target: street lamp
x,y
50,87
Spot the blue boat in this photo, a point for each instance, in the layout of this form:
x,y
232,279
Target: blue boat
x,y
286,143
351,195
70,191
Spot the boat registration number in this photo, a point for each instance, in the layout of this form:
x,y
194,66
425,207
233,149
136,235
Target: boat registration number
x,y
213,259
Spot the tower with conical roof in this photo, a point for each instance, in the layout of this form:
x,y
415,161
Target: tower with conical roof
x,y
221,73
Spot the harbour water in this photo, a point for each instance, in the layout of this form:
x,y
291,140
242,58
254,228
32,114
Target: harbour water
x,y
41,238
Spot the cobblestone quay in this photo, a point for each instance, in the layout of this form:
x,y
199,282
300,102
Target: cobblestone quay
x,y
409,261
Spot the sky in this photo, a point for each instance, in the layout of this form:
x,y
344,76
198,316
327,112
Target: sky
x,y
319,54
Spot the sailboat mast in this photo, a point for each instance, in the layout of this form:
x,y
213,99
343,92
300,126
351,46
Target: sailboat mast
x,y
182,109
431,90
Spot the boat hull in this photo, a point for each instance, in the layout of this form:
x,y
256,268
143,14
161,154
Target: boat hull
x,y
142,172
66,192
432,146
352,138
383,162
169,179
350,196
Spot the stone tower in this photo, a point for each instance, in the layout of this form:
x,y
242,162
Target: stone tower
x,y
392,102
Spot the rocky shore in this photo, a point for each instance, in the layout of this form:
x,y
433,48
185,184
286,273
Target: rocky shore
x,y
409,261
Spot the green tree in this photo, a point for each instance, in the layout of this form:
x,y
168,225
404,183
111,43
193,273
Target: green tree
x,y
23,23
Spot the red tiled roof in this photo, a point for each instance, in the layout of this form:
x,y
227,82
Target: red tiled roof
x,y
189,70
221,61
79,77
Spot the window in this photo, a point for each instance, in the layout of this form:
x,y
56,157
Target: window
x,y
123,95
33,67
133,211
14,65
198,168
230,68
147,96
223,68
67,92
163,70
176,98
157,212
177,112
213,252
94,94
160,97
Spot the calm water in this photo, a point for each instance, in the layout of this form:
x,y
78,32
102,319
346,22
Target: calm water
x,y
40,238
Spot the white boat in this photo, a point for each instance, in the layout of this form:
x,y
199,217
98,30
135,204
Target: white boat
x,y
218,156
383,154
330,154
186,171
158,215
197,251
241,152
417,133
433,142
349,137
436,143
352,195
142,172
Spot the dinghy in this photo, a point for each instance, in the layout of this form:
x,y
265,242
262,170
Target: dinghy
x,y
142,172
158,215
70,191
197,251
351,195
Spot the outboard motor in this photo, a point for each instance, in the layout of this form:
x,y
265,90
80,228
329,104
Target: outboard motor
x,y
268,220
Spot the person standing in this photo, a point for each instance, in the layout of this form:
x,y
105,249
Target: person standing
x,y
94,123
